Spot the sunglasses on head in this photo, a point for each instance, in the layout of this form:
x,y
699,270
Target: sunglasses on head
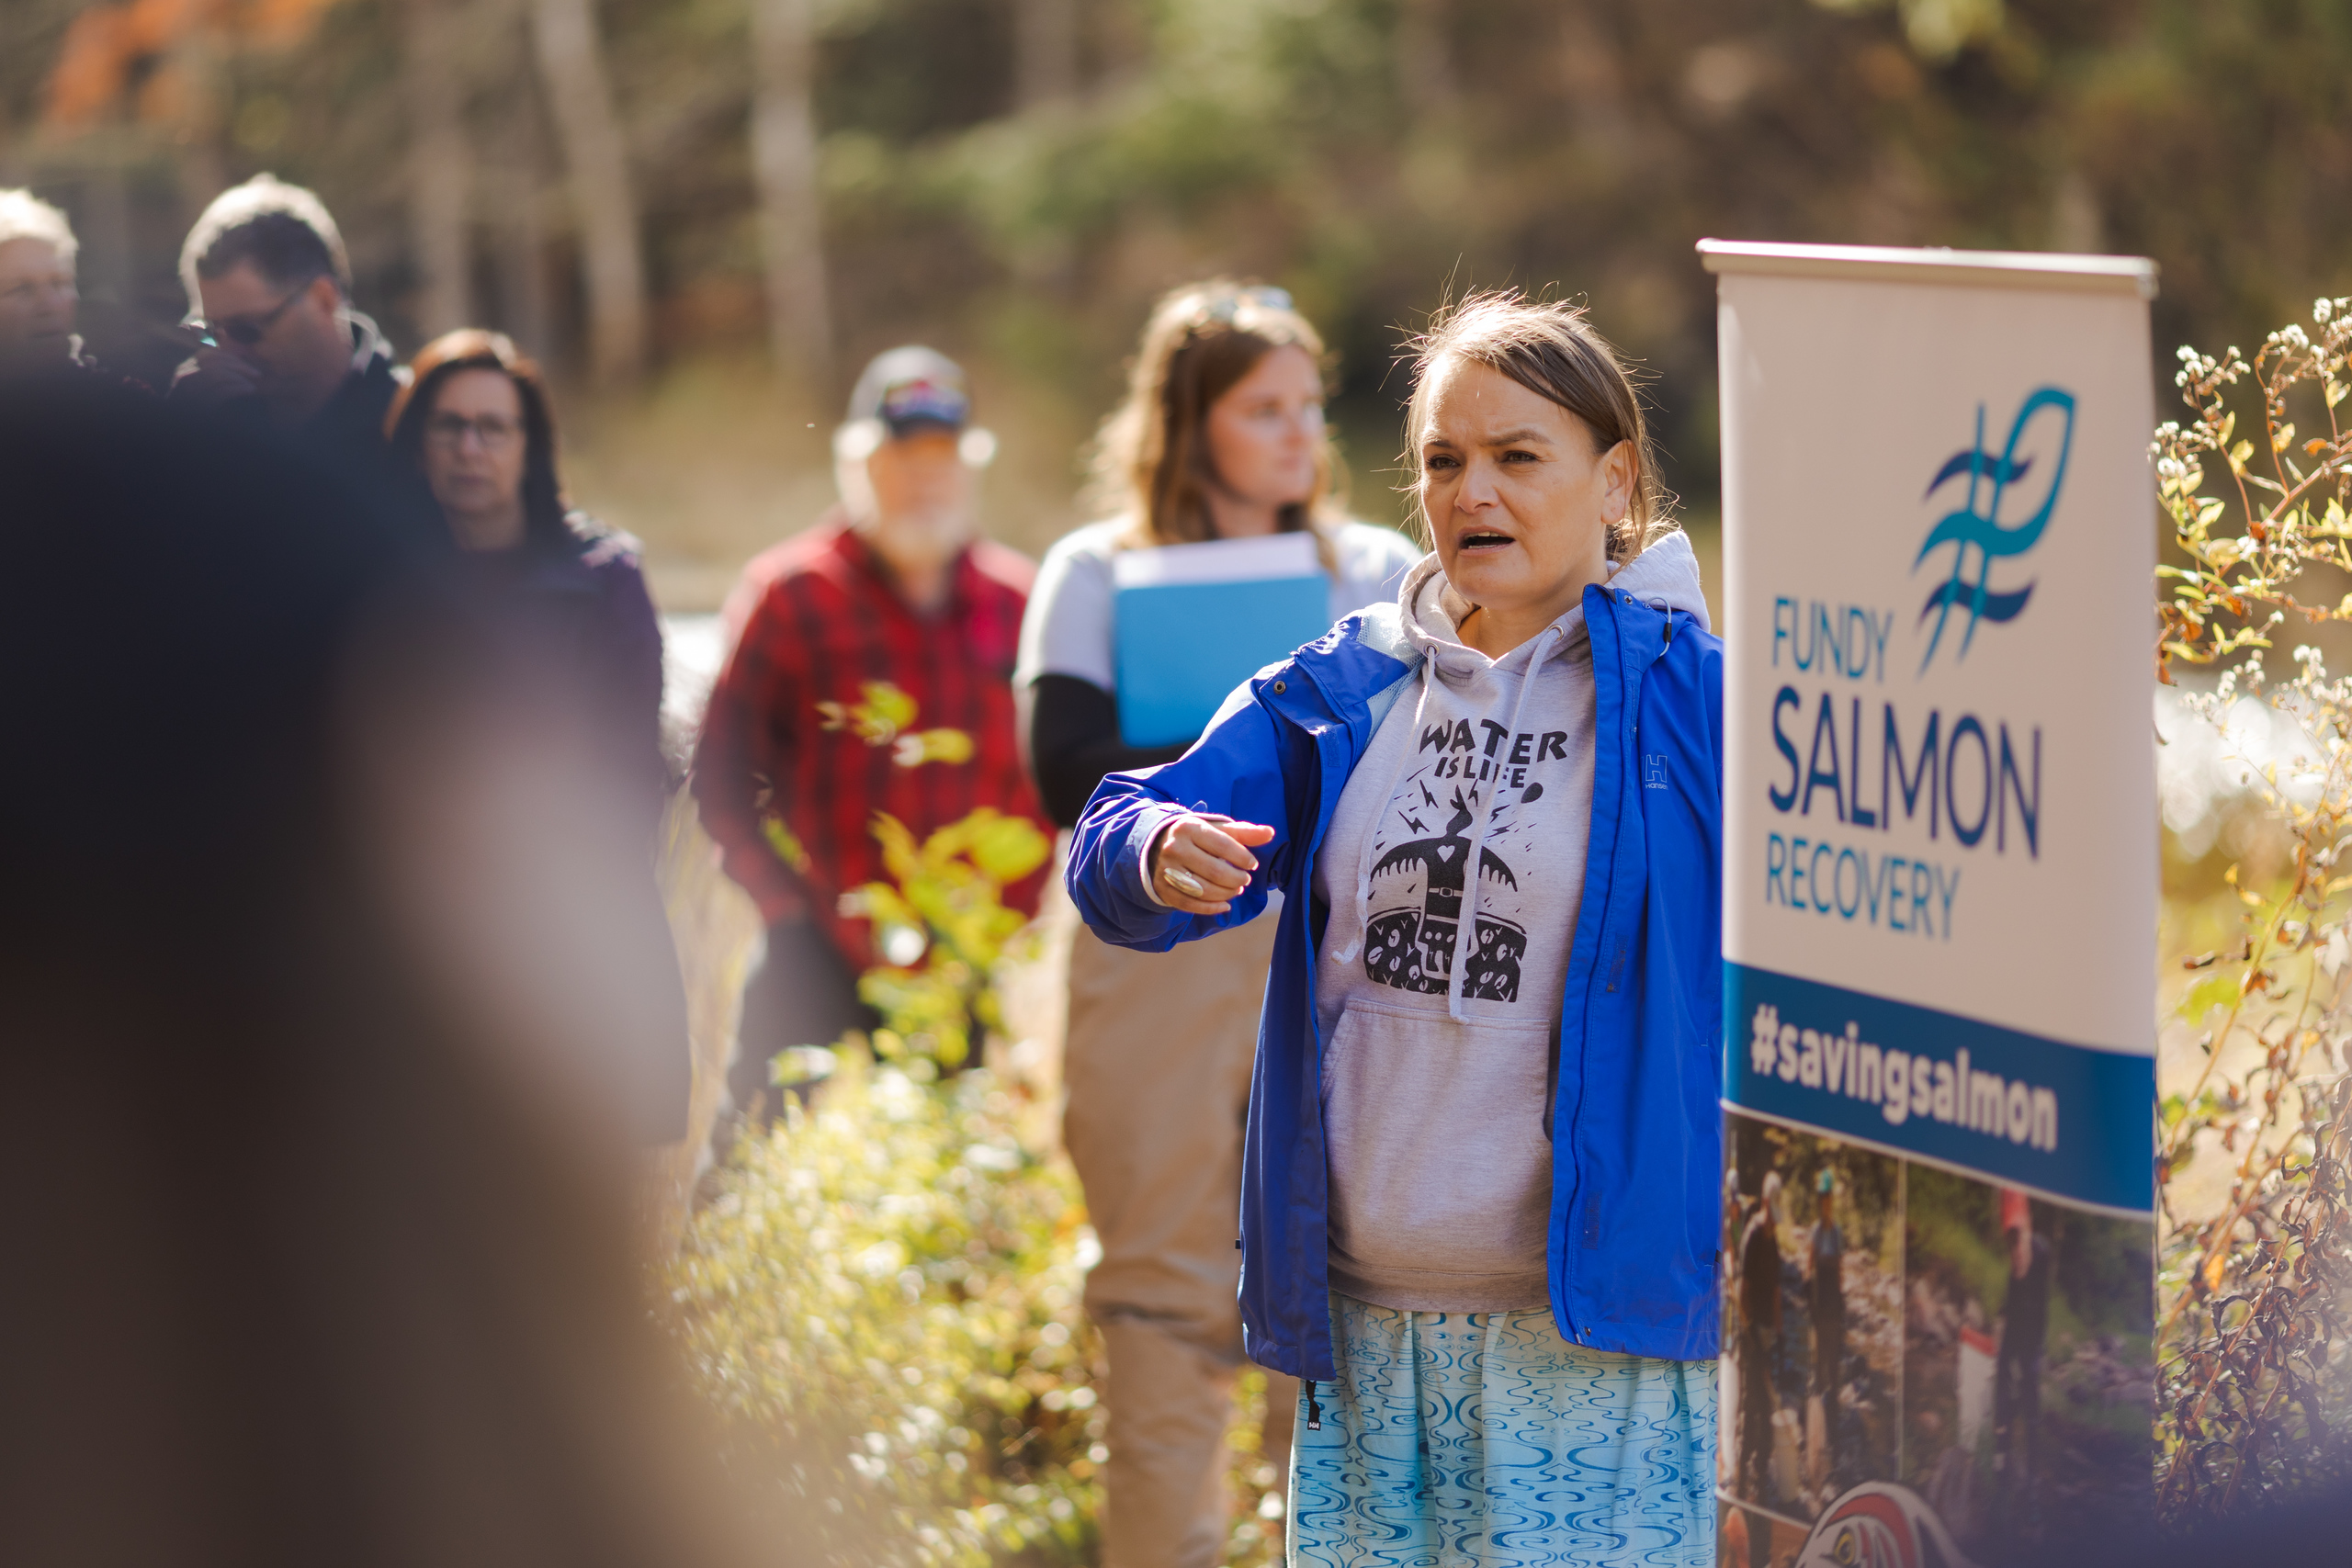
x,y
246,331
1223,308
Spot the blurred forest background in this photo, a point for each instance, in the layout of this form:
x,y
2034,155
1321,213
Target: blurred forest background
x,y
705,214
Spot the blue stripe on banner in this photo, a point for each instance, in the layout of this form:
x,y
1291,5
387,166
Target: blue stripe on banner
x,y
2072,1123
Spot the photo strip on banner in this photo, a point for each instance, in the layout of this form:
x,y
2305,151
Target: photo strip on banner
x,y
1939,903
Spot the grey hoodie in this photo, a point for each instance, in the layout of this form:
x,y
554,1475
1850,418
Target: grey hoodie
x,y
1438,1058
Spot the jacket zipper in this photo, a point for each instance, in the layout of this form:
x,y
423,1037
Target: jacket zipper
x,y
1630,704
1304,895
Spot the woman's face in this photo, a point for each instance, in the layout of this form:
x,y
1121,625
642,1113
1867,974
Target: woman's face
x,y
474,445
1264,432
1518,500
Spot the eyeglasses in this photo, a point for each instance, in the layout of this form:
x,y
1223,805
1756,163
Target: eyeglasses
x,y
451,430
247,331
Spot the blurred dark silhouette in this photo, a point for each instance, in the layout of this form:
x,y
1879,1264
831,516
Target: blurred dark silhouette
x,y
313,1196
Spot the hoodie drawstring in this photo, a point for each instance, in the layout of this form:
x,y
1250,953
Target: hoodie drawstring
x,y
1466,929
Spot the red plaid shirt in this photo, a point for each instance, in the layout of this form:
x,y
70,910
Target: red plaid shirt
x,y
820,620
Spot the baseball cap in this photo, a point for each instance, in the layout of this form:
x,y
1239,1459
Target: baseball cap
x,y
909,389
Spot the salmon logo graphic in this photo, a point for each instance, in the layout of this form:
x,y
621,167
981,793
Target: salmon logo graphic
x,y
1976,530
1878,1525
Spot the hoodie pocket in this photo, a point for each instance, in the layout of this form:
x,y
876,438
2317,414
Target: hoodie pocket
x,y
1439,1157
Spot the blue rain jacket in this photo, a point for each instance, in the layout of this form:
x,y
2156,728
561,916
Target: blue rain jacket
x,y
1636,1132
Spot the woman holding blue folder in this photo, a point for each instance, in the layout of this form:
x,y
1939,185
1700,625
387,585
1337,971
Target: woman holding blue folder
x,y
1221,437
1480,1207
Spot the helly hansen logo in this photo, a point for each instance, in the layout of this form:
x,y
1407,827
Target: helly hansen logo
x,y
1653,769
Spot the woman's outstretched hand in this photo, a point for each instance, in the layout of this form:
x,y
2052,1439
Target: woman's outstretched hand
x,y
1202,861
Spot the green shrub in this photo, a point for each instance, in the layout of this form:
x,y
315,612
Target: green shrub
x,y
884,1300
2254,1334
883,1297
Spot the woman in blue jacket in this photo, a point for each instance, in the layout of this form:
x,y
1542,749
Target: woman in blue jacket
x,y
1479,1195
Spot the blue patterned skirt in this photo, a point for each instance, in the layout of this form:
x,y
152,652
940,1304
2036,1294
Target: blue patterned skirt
x,y
1485,1439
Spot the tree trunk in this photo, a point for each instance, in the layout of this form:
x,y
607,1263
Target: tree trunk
x,y
440,166
1045,40
1425,56
105,264
784,163
517,183
1124,38
203,173
1592,76
571,64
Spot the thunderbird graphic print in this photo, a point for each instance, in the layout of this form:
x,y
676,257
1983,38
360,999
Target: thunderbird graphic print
x,y
1470,812
1413,950
1880,1525
1975,529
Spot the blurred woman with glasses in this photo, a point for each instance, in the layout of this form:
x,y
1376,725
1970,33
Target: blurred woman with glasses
x,y
564,600
1221,436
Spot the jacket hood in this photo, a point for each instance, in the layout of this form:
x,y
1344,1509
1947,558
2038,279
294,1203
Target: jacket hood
x,y
1666,577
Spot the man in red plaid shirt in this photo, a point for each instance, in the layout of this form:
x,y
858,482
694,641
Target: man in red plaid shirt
x,y
871,672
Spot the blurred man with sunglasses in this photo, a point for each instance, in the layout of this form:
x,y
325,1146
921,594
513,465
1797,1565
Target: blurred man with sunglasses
x,y
268,288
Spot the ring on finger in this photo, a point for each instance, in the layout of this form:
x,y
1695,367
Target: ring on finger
x,y
1184,881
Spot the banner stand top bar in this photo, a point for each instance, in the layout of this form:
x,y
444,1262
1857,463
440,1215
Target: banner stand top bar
x,y
1881,264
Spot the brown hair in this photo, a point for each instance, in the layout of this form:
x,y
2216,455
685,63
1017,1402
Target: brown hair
x,y
472,348
1151,461
1553,350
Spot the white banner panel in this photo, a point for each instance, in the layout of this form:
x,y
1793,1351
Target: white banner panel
x,y
1939,888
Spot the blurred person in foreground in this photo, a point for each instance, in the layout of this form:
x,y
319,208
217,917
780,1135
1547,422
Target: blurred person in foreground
x,y
1221,437
1481,1176
475,420
269,298
318,1241
892,587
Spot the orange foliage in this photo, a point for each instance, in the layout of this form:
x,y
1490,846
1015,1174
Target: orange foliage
x,y
107,45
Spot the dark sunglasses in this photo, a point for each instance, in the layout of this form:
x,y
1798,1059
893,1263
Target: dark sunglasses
x,y
247,331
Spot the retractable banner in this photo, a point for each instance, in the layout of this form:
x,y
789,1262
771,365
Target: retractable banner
x,y
1939,902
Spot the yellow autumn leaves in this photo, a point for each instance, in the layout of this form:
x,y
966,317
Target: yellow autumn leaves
x,y
886,717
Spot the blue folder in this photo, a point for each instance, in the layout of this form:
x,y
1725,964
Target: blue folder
x,y
1194,621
